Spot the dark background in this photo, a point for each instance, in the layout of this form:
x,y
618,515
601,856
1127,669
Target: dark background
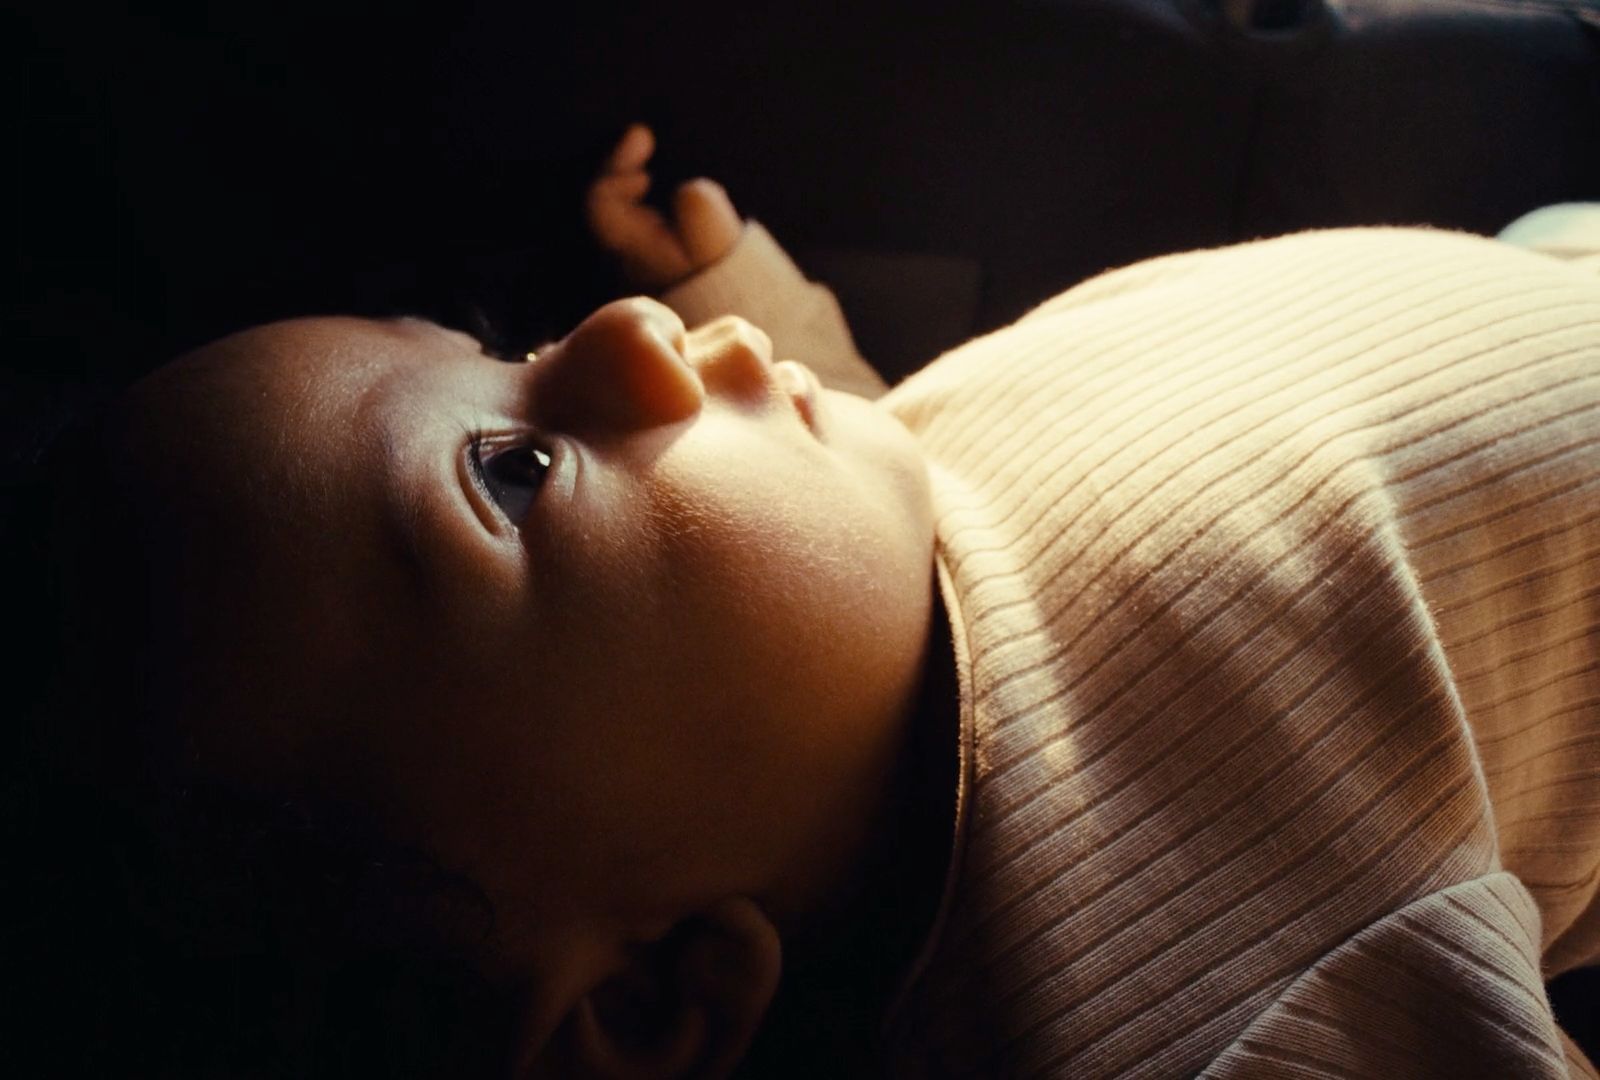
x,y
184,169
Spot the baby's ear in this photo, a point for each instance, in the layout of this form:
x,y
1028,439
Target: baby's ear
x,y
684,1006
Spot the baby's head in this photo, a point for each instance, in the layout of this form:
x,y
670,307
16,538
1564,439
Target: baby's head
x,y
627,634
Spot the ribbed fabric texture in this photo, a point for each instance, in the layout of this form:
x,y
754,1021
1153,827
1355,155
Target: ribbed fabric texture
x,y
1277,570
1274,576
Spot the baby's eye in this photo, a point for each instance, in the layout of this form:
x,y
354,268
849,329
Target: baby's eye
x,y
512,475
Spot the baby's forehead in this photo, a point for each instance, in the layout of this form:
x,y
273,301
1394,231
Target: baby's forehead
x,y
272,380
299,353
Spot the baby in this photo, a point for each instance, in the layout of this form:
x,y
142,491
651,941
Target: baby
x,y
1196,676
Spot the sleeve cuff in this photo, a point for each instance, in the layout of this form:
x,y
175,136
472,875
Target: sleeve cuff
x,y
758,281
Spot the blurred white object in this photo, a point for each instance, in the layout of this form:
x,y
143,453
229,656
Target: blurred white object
x,y
1565,230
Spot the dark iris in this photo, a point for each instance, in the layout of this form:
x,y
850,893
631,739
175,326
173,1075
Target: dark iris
x,y
513,477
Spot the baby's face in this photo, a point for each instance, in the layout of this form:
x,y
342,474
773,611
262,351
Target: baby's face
x,y
629,626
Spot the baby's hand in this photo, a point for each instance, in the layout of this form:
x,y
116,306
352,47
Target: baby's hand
x,y
654,252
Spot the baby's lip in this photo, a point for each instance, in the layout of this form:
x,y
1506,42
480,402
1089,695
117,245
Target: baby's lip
x,y
800,383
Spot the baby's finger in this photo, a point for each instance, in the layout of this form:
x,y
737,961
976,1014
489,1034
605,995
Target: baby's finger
x,y
651,254
707,222
612,204
619,188
632,150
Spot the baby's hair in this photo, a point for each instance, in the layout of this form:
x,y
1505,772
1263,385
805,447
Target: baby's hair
x,y
179,927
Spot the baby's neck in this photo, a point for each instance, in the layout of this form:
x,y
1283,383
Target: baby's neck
x,y
843,966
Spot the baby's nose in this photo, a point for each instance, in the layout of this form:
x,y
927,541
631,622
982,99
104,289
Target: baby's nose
x,y
624,367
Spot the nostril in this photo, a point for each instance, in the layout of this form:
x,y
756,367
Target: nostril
x,y
754,339
732,333
734,355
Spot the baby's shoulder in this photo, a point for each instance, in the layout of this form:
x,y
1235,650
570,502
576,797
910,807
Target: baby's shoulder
x,y
1340,257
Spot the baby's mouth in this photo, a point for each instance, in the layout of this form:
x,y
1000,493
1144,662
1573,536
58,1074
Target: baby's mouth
x,y
800,384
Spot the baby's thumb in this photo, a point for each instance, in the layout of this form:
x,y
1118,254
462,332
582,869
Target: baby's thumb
x,y
707,222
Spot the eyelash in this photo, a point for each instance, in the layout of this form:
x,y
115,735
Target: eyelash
x,y
483,450
477,440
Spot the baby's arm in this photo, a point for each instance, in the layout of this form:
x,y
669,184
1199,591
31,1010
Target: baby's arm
x,y
707,262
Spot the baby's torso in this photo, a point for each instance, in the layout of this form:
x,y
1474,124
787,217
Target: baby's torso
x,y
1221,537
